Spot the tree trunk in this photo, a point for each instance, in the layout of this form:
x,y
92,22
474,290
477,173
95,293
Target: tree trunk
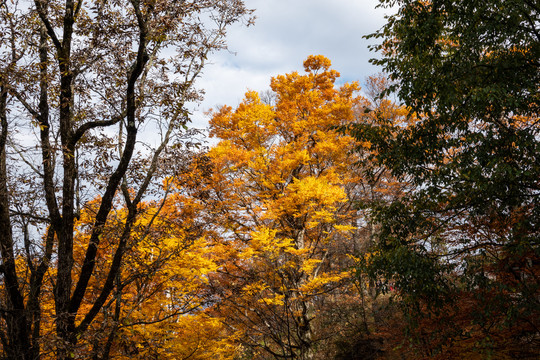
x,y
17,326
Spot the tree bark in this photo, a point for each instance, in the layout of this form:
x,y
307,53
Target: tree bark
x,y
15,316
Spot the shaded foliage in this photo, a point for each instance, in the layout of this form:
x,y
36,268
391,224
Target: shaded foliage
x,y
465,239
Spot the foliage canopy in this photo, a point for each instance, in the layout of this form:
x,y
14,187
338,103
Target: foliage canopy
x,y
466,238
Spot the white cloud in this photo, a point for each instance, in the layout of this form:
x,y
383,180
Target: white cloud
x,y
284,34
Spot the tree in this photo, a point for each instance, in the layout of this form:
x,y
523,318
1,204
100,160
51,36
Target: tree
x,y
157,309
464,243
157,306
280,190
79,81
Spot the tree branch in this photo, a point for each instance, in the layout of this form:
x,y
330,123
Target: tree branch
x,y
42,12
115,179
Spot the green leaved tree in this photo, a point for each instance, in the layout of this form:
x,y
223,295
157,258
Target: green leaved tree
x,y
463,245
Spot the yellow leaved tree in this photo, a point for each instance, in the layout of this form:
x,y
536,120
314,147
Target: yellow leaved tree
x,y
280,190
157,307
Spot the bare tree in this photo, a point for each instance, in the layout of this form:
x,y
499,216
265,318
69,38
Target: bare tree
x,y
79,82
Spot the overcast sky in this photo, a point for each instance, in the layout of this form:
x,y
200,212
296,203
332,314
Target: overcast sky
x,y
284,34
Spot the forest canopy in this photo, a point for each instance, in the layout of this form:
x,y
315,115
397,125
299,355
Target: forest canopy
x,y
328,220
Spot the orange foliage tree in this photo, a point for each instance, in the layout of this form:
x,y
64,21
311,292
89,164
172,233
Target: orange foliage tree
x,y
281,190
